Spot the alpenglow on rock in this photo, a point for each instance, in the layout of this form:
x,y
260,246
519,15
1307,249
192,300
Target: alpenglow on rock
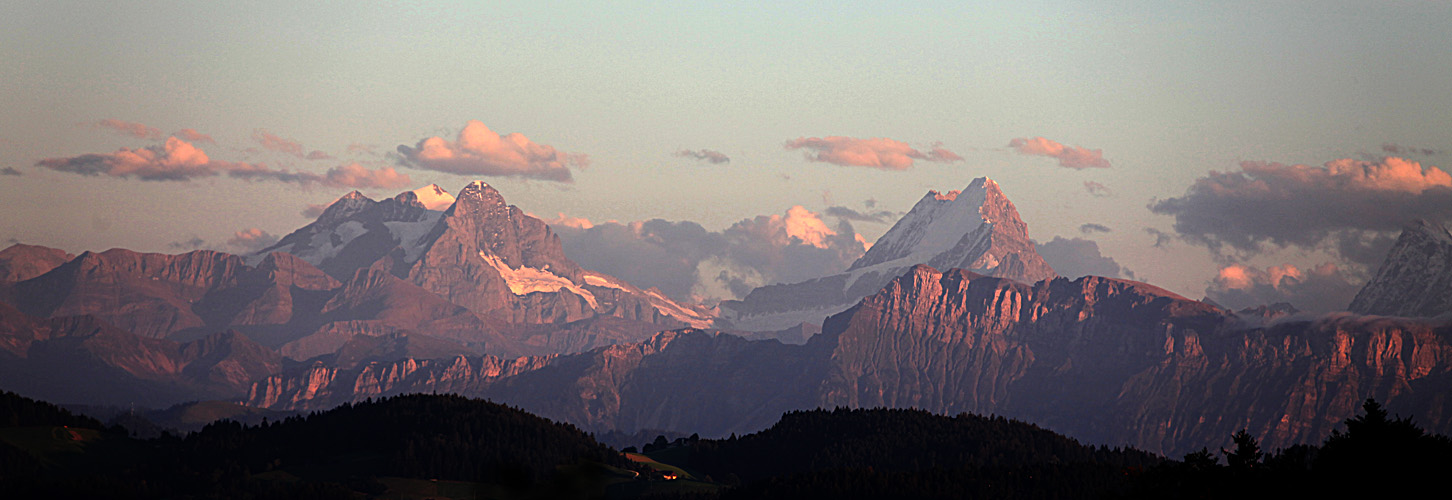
x,y
977,229
475,250
1416,277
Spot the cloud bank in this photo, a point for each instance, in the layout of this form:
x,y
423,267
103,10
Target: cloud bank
x,y
886,154
1349,207
178,160
1077,257
686,261
1074,157
1323,288
480,151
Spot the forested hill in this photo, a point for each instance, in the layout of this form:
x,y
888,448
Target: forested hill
x,y
366,448
898,453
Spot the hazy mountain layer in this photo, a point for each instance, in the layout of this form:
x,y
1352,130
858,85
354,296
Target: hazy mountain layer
x,y
1099,359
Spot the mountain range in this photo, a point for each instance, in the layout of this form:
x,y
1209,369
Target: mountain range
x,y
950,311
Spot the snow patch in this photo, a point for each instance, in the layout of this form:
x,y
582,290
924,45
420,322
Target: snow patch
x,y
527,280
602,281
434,197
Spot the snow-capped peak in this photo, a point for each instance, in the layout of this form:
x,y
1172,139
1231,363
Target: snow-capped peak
x,y
933,226
434,197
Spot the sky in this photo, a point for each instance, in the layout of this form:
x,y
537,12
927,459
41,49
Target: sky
x,y
1247,151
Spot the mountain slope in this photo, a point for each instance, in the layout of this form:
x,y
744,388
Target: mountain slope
x,y
1098,359
977,229
474,250
22,262
1416,277
85,359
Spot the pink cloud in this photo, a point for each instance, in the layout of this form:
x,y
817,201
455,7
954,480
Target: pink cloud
x,y
1321,288
191,135
1069,157
178,160
132,129
887,154
357,176
570,222
251,239
480,151
288,146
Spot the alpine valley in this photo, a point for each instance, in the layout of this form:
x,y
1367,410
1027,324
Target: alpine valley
x,y
951,311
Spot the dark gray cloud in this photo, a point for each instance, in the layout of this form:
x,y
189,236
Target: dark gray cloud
x,y
10,171
1091,228
1076,257
195,243
1162,239
1346,206
715,157
1395,149
1097,189
877,217
1323,288
686,261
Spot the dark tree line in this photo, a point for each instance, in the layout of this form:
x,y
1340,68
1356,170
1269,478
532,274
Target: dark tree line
x,y
898,453
1376,455
332,454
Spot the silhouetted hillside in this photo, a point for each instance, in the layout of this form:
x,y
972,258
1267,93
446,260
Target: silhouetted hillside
x,y
884,453
351,450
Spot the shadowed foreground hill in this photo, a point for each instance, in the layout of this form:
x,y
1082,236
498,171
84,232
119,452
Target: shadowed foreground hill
x,y
893,453
475,445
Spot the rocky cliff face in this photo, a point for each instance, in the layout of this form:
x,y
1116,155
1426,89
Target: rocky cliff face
x,y
1416,277
977,229
1103,360
1122,362
85,359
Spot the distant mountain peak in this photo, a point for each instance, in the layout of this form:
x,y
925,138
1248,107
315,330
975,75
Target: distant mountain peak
x,y
976,229
434,197
1416,277
478,197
